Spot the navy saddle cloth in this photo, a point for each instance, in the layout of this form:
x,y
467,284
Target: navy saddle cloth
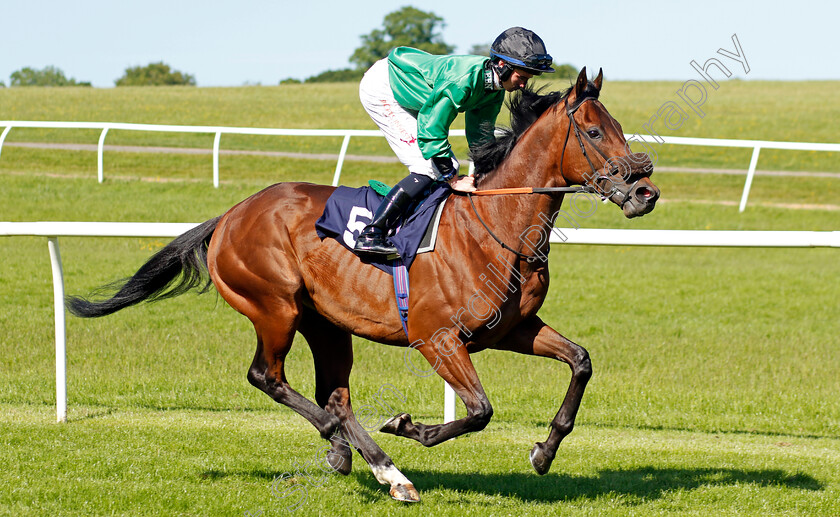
x,y
349,210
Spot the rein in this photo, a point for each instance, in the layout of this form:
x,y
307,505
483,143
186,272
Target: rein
x,y
592,188
530,190
528,258
520,190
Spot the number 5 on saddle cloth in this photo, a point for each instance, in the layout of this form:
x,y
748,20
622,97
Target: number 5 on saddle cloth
x,y
349,210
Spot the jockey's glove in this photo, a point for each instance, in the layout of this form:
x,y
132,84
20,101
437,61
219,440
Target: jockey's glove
x,y
445,167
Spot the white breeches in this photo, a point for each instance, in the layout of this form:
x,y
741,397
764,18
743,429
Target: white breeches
x,y
398,125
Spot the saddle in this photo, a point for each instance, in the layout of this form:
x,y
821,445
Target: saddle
x,y
349,210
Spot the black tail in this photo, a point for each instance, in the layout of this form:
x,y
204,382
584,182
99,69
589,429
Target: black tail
x,y
186,257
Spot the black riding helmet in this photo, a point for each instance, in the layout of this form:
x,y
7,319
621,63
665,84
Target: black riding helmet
x,y
520,48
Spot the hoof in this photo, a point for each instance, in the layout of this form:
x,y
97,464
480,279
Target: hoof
x,y
539,459
340,461
395,424
340,455
405,493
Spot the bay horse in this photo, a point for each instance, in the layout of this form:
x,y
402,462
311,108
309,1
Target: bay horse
x,y
265,259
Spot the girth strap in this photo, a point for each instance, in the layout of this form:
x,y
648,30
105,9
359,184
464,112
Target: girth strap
x,y
401,291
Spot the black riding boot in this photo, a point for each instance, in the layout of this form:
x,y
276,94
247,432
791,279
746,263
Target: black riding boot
x,y
374,238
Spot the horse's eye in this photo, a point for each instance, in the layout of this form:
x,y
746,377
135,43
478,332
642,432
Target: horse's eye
x,y
593,133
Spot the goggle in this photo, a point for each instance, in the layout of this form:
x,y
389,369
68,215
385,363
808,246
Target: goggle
x,y
536,61
540,61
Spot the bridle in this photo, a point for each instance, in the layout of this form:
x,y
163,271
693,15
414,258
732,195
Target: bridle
x,y
596,177
591,187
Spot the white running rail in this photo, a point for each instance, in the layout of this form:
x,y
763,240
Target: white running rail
x,y
755,145
53,230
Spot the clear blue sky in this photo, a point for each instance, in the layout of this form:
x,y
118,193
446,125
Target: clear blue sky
x,y
230,43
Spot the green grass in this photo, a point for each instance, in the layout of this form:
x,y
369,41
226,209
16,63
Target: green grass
x,y
195,462
716,371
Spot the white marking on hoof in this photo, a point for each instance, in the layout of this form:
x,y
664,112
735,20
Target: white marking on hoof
x,y
389,475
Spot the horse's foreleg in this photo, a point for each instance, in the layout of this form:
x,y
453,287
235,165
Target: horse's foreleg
x,y
457,370
533,337
332,353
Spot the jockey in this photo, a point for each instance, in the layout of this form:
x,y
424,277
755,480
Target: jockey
x,y
414,97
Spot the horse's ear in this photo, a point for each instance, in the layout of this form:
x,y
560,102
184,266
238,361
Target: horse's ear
x,y
600,79
580,85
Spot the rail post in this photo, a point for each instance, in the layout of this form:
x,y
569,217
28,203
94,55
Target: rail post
x,y
341,155
100,155
216,158
60,331
3,136
748,182
448,403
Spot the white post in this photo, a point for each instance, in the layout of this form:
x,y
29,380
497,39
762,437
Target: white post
x,y
216,159
748,183
100,157
448,403
340,163
3,137
60,332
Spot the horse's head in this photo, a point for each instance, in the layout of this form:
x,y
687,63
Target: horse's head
x,y
567,138
595,153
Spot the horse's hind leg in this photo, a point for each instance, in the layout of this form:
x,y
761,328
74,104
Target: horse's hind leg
x,y
332,352
275,332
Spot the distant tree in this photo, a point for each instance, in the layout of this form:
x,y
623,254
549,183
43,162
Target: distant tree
x,y
48,76
407,27
564,71
290,80
2,84
337,76
480,49
154,74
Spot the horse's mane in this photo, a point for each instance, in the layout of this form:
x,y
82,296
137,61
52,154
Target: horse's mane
x,y
526,106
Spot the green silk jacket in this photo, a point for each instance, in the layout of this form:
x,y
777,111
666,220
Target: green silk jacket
x,y
436,89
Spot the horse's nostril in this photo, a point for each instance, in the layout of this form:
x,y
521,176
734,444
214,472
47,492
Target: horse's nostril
x,y
644,193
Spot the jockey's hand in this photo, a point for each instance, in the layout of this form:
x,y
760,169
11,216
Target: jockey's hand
x,y
463,184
